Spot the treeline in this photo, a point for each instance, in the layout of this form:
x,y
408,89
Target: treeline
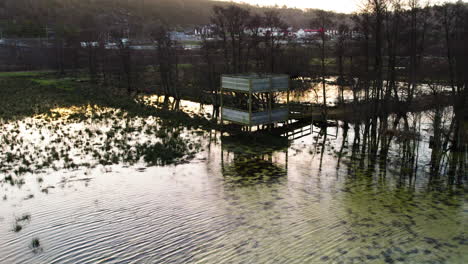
x,y
400,46
25,18
387,52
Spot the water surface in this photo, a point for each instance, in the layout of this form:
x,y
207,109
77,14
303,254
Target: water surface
x,y
334,195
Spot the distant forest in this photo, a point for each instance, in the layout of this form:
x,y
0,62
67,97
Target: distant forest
x,y
27,18
387,51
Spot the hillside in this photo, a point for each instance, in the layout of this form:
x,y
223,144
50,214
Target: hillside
x,y
26,18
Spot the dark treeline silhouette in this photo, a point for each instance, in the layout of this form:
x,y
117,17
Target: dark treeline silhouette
x,y
29,18
391,51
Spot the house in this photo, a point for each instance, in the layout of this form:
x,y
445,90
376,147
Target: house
x,y
183,36
268,31
24,42
89,44
206,30
304,33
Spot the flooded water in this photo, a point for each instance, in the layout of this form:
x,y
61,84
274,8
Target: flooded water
x,y
107,187
312,92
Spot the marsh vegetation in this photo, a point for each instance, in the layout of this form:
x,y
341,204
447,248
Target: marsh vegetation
x,y
381,189
114,153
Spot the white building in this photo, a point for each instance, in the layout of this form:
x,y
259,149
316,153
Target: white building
x,y
206,30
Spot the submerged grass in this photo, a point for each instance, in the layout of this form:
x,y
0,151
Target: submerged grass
x,y
17,227
26,94
71,138
35,243
24,217
36,246
51,122
249,171
252,161
20,221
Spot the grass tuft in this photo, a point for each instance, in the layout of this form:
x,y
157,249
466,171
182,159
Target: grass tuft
x,y
35,243
24,217
17,227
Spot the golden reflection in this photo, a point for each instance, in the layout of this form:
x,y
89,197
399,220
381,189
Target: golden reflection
x,y
187,106
84,111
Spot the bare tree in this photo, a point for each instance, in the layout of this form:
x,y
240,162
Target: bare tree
x,y
362,23
392,26
417,35
341,43
167,62
378,9
323,22
230,26
255,39
220,30
273,37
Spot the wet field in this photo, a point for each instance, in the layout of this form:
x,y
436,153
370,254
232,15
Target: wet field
x,y
97,185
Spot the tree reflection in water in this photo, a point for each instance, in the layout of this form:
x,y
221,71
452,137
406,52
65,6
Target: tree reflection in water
x,y
399,144
410,148
245,164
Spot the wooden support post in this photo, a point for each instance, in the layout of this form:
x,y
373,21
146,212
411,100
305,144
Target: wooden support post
x,y
222,156
250,105
311,118
221,101
269,104
287,100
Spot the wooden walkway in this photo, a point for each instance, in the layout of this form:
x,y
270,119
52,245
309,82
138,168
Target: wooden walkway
x,y
302,116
